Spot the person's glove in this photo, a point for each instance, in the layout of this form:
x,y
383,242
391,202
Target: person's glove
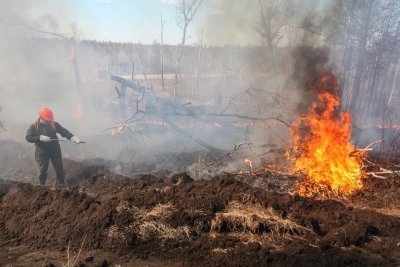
x,y
75,140
44,138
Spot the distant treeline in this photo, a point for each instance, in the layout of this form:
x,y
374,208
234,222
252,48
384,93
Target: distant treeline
x,y
146,58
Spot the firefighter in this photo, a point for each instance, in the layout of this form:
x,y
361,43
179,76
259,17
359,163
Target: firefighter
x,y
43,134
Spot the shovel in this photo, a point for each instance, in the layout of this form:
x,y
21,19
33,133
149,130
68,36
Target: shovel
x,y
66,140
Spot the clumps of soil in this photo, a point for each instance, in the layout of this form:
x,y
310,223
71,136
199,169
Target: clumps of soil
x,y
230,219
215,222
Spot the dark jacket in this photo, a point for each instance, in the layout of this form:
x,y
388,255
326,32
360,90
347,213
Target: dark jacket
x,y
39,128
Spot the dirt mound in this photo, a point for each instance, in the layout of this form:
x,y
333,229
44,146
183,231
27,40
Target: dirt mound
x,y
214,222
231,219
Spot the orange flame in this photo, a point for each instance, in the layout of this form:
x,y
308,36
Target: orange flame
x,y
217,125
118,129
72,53
321,143
249,163
78,111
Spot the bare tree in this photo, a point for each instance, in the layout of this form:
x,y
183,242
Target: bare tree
x,y
187,10
364,32
162,23
198,64
272,20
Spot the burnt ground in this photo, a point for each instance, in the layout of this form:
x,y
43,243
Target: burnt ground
x,y
104,219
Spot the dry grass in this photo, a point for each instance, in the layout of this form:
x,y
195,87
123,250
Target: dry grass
x,y
160,211
257,224
394,212
220,250
240,217
152,229
71,262
250,223
115,232
149,224
126,206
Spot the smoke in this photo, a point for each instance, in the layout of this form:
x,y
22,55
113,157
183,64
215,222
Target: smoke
x,y
280,74
39,69
36,65
232,22
310,63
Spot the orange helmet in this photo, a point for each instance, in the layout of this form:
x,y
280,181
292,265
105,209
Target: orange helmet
x,y
46,114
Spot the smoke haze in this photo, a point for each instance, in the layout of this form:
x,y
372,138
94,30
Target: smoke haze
x,y
269,51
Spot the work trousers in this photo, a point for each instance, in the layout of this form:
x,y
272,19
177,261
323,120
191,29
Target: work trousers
x,y
43,158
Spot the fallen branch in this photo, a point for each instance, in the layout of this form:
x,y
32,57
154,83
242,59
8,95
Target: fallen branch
x,y
165,109
227,155
365,149
383,171
190,136
252,118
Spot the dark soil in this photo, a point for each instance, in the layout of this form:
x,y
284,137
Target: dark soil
x,y
223,221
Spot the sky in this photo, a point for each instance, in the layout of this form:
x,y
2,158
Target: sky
x,y
121,20
127,20
217,22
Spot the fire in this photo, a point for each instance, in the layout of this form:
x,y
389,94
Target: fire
x,y
217,125
72,53
249,163
322,147
271,166
78,112
117,129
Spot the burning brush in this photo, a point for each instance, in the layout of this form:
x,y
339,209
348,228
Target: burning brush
x,y
249,164
321,147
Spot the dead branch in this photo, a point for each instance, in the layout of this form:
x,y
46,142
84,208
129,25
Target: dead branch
x,y
143,71
365,149
227,155
190,136
378,174
164,109
272,150
162,53
251,118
